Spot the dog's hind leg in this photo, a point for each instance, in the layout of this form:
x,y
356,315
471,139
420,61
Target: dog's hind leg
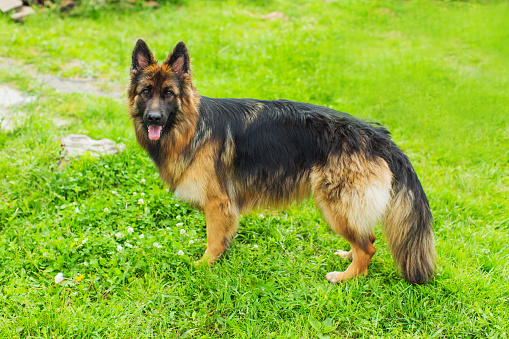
x,y
348,255
353,201
361,257
222,217
344,254
362,249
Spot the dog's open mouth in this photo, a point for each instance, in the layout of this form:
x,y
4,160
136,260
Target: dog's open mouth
x,y
154,132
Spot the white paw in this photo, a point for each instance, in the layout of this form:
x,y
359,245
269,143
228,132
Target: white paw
x,y
334,277
344,254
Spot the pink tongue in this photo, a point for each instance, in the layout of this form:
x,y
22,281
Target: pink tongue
x,y
154,132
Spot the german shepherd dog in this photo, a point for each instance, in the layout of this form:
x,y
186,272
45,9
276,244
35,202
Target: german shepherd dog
x,y
227,156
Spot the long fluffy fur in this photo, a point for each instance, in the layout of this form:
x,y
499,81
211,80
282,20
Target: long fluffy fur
x,y
230,155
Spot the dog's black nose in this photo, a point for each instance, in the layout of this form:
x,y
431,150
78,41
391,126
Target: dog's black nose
x,y
154,118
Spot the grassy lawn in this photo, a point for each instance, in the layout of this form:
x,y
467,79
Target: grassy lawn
x,y
435,73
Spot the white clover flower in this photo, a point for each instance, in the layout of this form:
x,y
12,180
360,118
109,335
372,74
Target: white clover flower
x,y
106,210
261,216
59,278
156,245
128,245
255,247
119,248
191,242
141,236
106,166
84,240
142,194
134,194
180,224
113,192
142,181
77,210
180,252
119,235
182,231
130,230
76,239
140,202
177,205
85,263
178,217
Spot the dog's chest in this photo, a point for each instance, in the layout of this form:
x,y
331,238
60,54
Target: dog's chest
x,y
199,179
191,191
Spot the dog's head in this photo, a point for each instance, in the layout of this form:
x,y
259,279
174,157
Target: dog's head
x,y
156,92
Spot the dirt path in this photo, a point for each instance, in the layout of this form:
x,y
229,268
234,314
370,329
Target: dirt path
x,y
66,85
11,99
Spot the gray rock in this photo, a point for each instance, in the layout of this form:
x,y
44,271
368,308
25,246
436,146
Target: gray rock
x,y
10,100
78,144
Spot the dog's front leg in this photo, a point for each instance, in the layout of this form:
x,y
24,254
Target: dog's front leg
x,y
222,218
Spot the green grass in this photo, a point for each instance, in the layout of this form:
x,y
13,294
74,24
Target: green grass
x,y
435,73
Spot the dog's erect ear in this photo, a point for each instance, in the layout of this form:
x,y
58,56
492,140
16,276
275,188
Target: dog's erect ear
x,y
142,57
179,60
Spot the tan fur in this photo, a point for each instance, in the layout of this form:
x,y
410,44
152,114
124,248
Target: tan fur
x,y
221,214
254,197
353,193
199,185
415,257
361,256
198,181
355,188
228,154
222,217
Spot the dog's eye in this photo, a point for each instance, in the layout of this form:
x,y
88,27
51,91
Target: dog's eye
x,y
168,94
145,92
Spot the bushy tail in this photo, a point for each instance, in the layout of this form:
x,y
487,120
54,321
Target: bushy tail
x,y
408,225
